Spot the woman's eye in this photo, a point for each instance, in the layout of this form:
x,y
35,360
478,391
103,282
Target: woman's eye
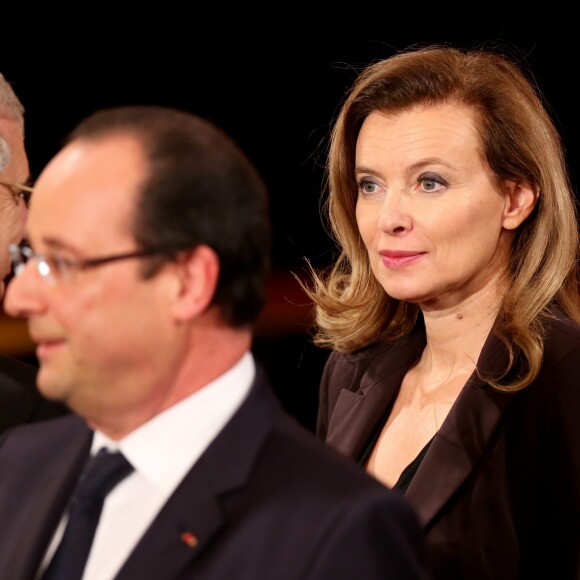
x,y
431,183
366,186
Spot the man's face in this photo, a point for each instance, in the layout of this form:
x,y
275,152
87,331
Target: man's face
x,y
13,210
103,334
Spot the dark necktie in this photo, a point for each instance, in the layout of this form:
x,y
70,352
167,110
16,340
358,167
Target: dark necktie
x,y
100,476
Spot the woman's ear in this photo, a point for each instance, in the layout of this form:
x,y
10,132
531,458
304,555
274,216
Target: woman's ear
x,y
521,199
197,273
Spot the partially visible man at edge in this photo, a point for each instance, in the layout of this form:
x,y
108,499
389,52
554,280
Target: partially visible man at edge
x,y
20,402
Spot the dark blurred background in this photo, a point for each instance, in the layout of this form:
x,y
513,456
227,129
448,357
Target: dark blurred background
x,y
275,87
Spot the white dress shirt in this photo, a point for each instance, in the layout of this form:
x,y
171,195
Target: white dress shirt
x,y
162,451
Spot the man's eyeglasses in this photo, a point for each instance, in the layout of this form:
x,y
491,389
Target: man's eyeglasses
x,y
56,268
19,190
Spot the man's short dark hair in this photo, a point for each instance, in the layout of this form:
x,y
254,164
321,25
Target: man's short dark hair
x,y
201,189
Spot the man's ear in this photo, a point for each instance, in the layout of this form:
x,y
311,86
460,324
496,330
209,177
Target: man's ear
x,y
520,200
197,273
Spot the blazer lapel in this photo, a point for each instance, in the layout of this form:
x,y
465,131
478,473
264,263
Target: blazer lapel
x,y
463,437
357,414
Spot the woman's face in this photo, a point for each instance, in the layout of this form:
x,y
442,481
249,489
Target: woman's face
x,y
435,226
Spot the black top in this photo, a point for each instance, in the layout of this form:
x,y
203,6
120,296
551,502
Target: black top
x,y
409,471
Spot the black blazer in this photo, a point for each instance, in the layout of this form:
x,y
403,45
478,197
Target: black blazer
x,y
267,501
498,491
20,401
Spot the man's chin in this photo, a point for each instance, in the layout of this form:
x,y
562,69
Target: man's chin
x,y
48,387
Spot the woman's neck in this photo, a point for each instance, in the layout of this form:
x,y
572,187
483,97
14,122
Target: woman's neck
x,y
456,333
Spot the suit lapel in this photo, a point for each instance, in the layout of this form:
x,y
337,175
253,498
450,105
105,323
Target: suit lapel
x,y
179,533
27,529
462,439
194,514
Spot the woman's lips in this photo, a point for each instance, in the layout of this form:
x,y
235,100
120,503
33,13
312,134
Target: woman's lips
x,y
400,259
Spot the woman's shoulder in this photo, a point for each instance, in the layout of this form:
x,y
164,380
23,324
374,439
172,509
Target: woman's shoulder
x,y
561,328
561,341
350,366
362,355
381,354
560,368
345,370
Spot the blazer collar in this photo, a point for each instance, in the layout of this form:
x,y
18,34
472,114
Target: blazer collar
x,y
462,438
357,414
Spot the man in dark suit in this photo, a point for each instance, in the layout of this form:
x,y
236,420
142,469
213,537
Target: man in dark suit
x,y
20,402
150,245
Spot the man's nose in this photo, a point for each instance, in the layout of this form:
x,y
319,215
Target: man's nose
x,y
24,294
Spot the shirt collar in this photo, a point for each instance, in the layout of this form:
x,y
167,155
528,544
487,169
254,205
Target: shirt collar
x,y
165,448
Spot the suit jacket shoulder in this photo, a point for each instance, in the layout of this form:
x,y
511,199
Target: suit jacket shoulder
x,y
265,500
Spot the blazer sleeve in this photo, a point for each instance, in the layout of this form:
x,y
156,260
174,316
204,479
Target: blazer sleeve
x,y
323,395
561,510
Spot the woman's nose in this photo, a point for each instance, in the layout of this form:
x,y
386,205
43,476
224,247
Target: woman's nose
x,y
395,217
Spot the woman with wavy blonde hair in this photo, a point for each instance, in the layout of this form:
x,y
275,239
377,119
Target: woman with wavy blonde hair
x,y
453,311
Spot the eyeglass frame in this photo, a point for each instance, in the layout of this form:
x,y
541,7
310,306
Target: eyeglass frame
x,y
21,255
22,192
